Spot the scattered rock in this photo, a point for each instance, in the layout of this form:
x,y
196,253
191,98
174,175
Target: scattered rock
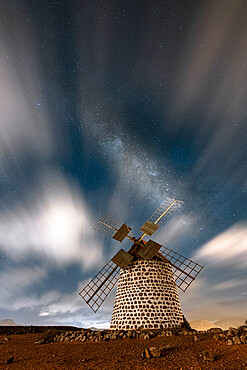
x,y
10,360
145,353
154,352
208,356
195,337
41,341
236,340
55,335
49,335
243,338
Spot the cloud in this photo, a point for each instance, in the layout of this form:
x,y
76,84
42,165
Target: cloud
x,y
178,229
229,284
212,84
55,226
228,248
16,281
25,123
209,301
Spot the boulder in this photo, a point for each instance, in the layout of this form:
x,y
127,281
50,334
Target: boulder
x,y
154,352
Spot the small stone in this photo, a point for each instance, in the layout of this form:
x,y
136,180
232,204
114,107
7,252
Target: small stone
x,y
145,353
236,340
230,342
155,351
10,360
243,338
41,341
208,356
195,337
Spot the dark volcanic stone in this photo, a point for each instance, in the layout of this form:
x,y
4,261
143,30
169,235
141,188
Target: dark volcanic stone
x,y
10,360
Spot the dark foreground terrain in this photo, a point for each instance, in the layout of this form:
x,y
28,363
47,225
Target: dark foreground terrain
x,y
34,348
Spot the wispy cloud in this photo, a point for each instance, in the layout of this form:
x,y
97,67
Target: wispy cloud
x,y
56,226
229,284
228,248
25,127
17,281
177,230
213,301
212,79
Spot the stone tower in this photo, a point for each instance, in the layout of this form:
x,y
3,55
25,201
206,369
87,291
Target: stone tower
x,y
147,296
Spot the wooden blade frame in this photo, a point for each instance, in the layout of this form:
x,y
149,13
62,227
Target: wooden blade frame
x,y
122,259
122,232
149,250
108,225
185,270
96,291
166,210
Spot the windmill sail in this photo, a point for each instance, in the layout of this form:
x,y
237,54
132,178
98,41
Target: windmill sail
x,y
175,268
96,291
166,210
108,225
114,228
185,270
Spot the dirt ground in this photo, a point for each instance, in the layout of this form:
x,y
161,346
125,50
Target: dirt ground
x,y
119,354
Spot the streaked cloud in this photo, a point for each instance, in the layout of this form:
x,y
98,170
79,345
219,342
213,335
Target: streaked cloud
x,y
177,230
55,226
229,284
210,303
25,121
16,281
228,248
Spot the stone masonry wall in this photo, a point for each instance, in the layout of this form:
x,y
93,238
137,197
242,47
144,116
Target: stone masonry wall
x,y
146,297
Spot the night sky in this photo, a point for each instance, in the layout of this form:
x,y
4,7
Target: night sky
x,y
110,107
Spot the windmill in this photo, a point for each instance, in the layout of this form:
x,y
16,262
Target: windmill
x,y
148,276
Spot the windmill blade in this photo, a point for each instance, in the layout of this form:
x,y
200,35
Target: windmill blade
x,y
108,225
122,259
114,228
96,291
165,211
185,270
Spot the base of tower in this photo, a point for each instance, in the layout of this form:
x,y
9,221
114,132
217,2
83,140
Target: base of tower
x,y
147,297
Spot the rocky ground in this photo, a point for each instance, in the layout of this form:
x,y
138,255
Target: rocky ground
x,y
73,348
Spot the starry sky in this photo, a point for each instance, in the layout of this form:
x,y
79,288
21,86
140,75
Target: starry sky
x,y
110,107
